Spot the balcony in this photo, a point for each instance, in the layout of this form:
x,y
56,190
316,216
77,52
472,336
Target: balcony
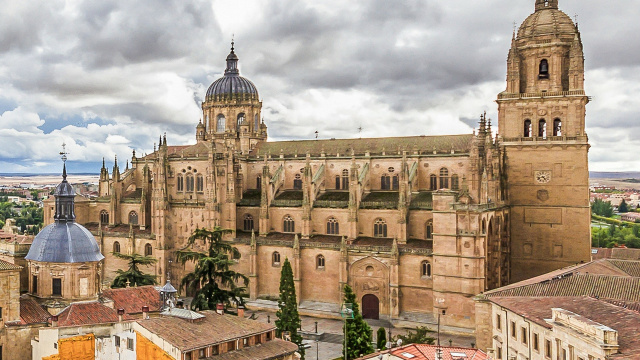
x,y
289,198
547,94
380,200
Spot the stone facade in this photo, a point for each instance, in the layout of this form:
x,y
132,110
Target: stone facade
x,y
417,225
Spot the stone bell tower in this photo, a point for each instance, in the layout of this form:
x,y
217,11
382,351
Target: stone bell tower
x,y
542,129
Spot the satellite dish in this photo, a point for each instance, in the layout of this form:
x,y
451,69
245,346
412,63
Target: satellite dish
x,y
399,342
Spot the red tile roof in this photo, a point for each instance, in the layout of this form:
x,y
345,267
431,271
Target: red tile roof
x,y
212,329
132,299
537,309
428,352
88,313
274,349
31,312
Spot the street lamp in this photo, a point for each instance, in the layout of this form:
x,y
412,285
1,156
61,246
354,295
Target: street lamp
x,y
346,311
440,301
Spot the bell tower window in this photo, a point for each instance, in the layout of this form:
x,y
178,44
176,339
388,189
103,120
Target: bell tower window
x,y
241,118
557,127
542,128
544,69
527,128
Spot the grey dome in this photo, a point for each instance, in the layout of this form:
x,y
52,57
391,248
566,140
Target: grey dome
x,y
547,22
232,85
64,242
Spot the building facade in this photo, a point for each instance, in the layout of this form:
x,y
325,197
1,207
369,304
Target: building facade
x,y
416,225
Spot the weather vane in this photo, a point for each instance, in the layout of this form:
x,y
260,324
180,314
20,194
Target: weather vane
x,y
64,152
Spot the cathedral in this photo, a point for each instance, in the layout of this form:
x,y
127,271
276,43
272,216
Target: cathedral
x,y
416,225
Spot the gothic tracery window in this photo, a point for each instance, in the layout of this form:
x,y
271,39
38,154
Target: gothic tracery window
x,y
385,182
288,225
433,182
180,182
190,182
248,223
275,259
425,269
380,228
104,216
200,183
345,179
133,218
333,227
320,262
444,178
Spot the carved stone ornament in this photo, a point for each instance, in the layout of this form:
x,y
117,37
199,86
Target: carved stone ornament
x,y
543,195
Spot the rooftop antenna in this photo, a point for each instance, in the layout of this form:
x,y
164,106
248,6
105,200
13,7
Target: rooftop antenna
x,y
360,130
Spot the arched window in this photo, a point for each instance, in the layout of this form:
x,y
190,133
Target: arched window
x,y
444,178
333,228
380,228
345,179
275,258
148,250
248,222
542,128
297,182
104,216
396,182
133,218
484,226
433,182
429,230
241,118
544,69
180,181
337,182
221,124
319,262
116,247
256,123
189,182
557,127
455,183
200,183
288,225
385,182
425,269
259,182
527,128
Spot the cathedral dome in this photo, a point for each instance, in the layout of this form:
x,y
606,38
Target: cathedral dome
x,y
64,242
232,85
547,21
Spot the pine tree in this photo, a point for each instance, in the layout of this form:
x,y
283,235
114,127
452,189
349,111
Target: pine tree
x,y
212,279
358,339
623,208
381,341
288,317
133,275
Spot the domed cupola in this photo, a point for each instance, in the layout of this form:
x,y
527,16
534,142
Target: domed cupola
x,y
232,86
547,20
64,241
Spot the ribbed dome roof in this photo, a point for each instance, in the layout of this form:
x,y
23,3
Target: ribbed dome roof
x,y
232,85
64,242
550,21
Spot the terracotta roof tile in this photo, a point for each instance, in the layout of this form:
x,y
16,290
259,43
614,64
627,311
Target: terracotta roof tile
x,y
428,352
274,349
212,329
537,309
87,313
391,145
630,267
132,299
5,265
31,312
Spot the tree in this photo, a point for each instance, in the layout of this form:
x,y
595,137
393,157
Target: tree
x,y
133,275
417,336
358,336
623,207
602,208
212,279
288,317
381,341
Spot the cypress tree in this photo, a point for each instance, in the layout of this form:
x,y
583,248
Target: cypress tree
x,y
381,342
358,340
623,208
288,317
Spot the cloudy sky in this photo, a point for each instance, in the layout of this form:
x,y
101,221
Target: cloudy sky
x,y
107,77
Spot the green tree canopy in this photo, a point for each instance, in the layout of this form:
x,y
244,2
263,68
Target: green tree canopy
x,y
602,208
381,339
417,336
288,317
212,279
358,332
623,207
133,275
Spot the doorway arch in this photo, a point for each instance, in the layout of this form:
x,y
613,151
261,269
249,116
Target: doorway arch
x,y
370,307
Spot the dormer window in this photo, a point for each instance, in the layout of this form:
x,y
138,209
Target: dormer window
x,y
544,69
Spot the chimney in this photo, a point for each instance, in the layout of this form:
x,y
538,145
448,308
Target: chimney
x,y
145,312
240,311
220,309
120,314
54,321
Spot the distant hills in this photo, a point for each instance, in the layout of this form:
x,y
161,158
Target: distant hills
x,y
614,175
